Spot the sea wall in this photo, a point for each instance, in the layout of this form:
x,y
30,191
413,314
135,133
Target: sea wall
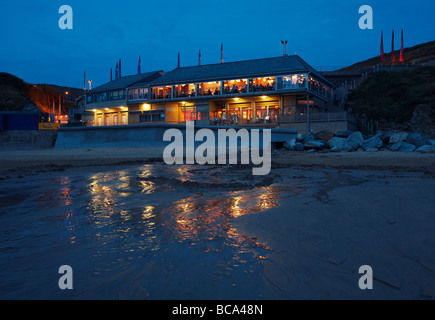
x,y
27,138
143,135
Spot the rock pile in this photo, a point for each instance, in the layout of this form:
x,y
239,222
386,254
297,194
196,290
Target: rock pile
x,y
347,141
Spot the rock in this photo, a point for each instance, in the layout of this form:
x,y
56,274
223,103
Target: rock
x,y
324,135
426,149
402,147
343,134
300,137
289,145
299,146
353,142
373,143
372,149
314,145
417,139
398,137
336,144
309,137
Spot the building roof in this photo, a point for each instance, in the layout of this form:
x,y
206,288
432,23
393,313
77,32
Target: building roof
x,y
240,69
127,81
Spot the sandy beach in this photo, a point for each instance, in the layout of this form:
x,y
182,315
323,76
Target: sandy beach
x,y
303,231
22,161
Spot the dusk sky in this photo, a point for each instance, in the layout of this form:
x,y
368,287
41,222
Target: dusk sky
x,y
324,33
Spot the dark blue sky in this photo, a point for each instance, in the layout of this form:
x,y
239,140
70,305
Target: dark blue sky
x,y
324,33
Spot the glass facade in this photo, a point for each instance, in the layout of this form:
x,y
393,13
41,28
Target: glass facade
x,y
138,94
209,88
294,81
262,84
162,92
106,96
184,91
235,86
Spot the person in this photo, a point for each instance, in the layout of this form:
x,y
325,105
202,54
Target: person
x,y
234,90
267,119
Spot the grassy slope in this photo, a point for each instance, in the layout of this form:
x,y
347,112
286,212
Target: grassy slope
x,y
419,54
392,96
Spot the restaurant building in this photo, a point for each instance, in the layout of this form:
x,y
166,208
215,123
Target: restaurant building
x,y
251,92
106,105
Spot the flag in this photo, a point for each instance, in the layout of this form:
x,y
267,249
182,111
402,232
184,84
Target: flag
x,y
117,71
382,47
178,65
199,58
222,53
401,48
111,74
138,67
393,58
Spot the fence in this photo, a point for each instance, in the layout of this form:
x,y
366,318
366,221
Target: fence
x,y
316,117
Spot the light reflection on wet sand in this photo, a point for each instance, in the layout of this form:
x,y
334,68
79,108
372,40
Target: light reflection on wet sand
x,y
154,232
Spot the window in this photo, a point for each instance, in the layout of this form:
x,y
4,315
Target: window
x,y
184,90
152,116
262,84
162,92
294,81
235,86
89,98
209,88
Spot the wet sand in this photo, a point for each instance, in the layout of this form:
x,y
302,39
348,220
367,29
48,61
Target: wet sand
x,y
336,212
21,162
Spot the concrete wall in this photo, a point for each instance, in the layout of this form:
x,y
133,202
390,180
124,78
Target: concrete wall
x,y
27,138
138,135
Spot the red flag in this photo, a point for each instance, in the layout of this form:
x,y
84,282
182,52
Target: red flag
x,y
401,49
393,58
138,67
382,47
178,64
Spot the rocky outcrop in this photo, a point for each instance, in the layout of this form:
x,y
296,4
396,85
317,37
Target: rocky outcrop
x,y
347,141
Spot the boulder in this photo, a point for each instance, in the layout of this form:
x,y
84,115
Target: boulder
x,y
417,139
353,142
309,137
336,144
402,147
373,143
317,145
299,146
426,149
398,137
324,135
343,134
289,145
